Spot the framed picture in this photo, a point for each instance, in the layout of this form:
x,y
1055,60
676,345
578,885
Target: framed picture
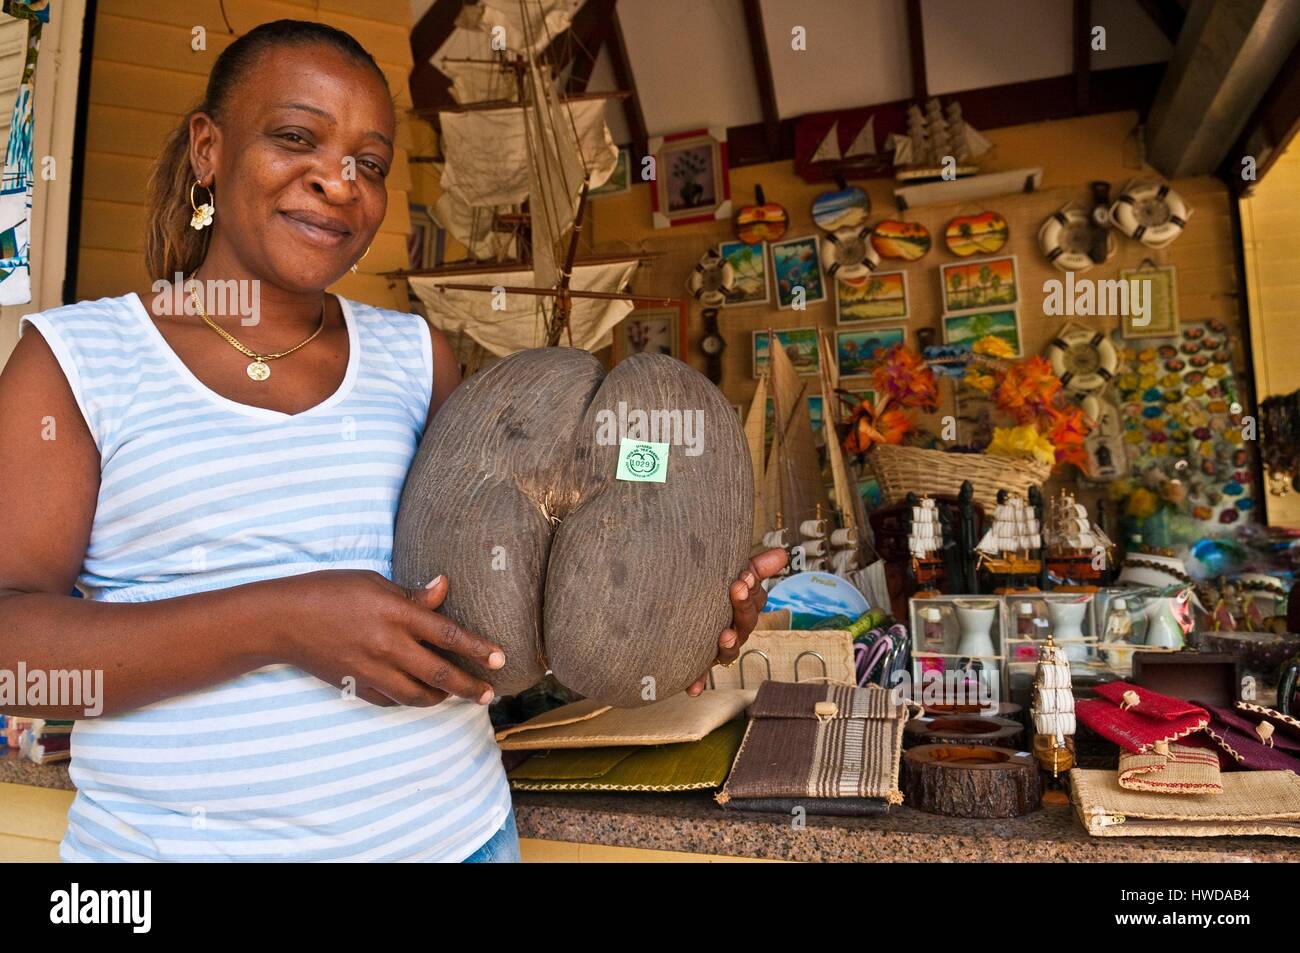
x,y
881,296
855,350
1160,293
425,239
657,330
621,180
799,343
691,180
749,264
796,264
815,417
982,284
969,328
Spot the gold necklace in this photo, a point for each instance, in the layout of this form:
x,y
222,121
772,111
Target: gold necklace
x,y
258,370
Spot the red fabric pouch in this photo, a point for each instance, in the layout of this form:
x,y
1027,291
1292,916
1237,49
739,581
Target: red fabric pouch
x,y
1137,719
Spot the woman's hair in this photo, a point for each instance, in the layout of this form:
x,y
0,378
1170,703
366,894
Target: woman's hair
x,y
171,245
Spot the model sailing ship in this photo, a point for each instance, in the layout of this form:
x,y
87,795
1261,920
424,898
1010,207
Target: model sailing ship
x,y
933,137
519,162
1008,547
924,544
1052,709
1073,543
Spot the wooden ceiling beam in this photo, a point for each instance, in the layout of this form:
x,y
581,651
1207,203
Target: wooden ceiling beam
x,y
1082,44
430,87
1168,15
916,50
623,79
763,74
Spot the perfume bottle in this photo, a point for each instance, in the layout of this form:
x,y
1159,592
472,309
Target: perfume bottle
x,y
1118,634
1025,651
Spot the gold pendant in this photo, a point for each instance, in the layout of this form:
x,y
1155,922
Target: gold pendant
x,y
259,371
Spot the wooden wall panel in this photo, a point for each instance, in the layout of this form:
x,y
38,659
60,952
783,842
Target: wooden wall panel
x,y
146,75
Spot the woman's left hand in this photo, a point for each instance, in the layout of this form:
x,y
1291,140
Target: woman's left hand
x,y
747,601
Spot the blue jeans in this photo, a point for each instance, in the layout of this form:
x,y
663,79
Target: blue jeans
x,y
503,848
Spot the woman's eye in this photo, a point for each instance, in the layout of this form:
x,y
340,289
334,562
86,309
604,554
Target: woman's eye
x,y
373,166
293,137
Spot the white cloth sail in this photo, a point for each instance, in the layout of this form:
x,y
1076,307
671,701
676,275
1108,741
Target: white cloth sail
x,y
526,26
487,151
864,143
828,150
521,323
473,228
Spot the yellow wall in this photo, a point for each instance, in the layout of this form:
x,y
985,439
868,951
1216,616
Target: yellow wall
x,y
1270,227
145,76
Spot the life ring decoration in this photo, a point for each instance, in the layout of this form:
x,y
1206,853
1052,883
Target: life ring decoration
x,y
1151,212
1085,360
711,280
847,254
1066,238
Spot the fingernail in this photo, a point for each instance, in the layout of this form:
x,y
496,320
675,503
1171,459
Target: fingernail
x,y
745,594
750,580
496,660
727,641
485,697
436,580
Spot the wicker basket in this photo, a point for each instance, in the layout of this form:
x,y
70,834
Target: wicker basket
x,y
903,470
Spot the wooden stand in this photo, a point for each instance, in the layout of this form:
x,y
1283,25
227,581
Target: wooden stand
x,y
971,781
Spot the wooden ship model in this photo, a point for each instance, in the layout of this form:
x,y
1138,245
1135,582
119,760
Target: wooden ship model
x,y
1052,709
1009,545
925,544
1073,543
932,137
519,159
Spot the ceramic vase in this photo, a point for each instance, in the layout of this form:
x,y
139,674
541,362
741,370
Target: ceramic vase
x,y
1163,628
1067,628
975,624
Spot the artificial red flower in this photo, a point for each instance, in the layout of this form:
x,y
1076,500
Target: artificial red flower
x,y
906,379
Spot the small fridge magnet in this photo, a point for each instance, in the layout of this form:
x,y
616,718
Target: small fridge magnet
x,y
881,296
1159,294
691,180
799,343
856,350
796,264
749,270
982,284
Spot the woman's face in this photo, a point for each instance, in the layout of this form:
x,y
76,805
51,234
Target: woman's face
x,y
298,165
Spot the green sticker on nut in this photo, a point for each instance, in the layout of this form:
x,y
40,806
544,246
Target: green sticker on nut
x,y
642,461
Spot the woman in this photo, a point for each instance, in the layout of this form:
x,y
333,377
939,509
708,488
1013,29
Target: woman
x,y
223,489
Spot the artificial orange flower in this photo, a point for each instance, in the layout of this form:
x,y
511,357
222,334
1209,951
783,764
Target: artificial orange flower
x,y
905,379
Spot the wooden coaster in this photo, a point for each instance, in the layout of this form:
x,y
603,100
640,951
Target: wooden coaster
x,y
971,781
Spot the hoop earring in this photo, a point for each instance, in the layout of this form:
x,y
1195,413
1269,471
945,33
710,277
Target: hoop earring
x,y
202,216
360,260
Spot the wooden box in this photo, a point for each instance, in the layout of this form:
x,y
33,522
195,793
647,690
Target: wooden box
x,y
1210,677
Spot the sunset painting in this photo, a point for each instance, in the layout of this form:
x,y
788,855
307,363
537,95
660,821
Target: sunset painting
x,y
986,283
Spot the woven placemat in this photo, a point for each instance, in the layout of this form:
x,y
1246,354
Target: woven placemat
x,y
1252,802
674,720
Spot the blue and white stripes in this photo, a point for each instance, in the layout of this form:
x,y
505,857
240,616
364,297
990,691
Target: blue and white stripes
x,y
198,493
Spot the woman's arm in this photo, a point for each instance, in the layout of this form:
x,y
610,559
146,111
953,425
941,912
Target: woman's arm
x,y
334,624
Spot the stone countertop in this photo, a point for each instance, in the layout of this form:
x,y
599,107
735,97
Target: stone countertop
x,y
16,770
693,823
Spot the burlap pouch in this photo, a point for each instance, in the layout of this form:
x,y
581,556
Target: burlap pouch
x,y
1171,769
1252,802
820,741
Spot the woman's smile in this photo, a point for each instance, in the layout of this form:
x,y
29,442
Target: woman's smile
x,y
325,230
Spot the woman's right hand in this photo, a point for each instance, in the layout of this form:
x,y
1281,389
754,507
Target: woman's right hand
x,y
361,632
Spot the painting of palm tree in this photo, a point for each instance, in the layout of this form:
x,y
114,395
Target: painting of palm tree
x,y
881,296
988,283
969,328
749,264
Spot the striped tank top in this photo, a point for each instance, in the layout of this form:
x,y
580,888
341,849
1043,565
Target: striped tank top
x,y
198,493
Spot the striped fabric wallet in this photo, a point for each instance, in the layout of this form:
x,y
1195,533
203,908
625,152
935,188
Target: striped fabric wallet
x,y
816,741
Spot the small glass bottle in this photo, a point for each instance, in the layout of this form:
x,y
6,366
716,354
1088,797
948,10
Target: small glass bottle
x,y
1025,651
1119,631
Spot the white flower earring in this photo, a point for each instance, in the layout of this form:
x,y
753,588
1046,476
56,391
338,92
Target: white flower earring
x,y
202,216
